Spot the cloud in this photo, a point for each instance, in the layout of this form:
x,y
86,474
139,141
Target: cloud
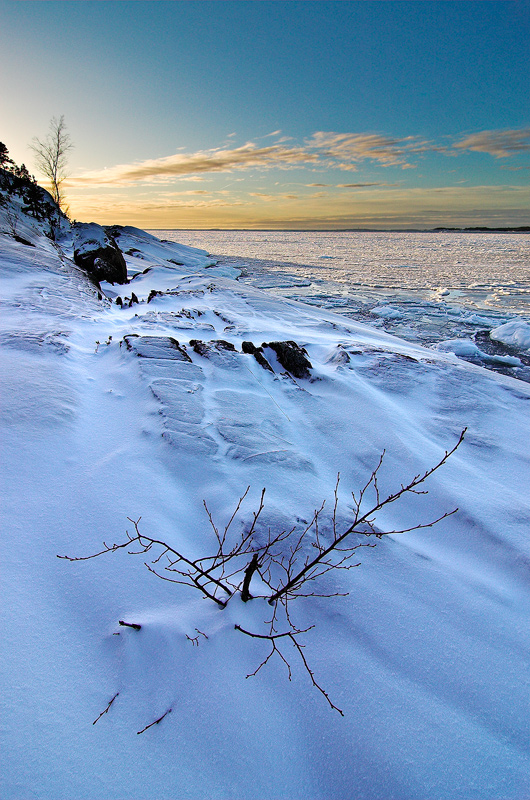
x,y
271,197
374,207
339,150
349,185
351,148
188,192
217,160
362,185
500,144
323,150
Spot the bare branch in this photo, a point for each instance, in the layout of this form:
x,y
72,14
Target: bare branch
x,y
130,625
195,639
107,708
365,518
312,676
292,634
156,722
290,564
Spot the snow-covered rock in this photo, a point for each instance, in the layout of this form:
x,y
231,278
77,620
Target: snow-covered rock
x,y
96,252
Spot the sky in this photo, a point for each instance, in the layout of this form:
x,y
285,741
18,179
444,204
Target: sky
x,y
276,114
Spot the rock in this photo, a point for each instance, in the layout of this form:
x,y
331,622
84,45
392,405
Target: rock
x,y
257,352
21,240
205,348
96,252
200,347
292,357
222,344
165,347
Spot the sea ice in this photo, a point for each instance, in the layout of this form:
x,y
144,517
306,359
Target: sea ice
x,y
465,348
515,333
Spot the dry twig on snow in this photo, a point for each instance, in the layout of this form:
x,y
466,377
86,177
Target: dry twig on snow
x,y
290,564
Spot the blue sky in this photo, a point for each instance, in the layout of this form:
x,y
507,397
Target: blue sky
x,y
277,114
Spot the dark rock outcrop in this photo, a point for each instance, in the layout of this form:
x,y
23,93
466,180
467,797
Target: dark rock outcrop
x,y
200,347
222,344
164,347
292,357
97,253
206,348
257,352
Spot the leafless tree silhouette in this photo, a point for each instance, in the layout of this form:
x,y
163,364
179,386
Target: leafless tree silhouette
x,y
51,156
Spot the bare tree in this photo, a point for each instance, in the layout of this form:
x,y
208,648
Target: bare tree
x,y
51,156
283,566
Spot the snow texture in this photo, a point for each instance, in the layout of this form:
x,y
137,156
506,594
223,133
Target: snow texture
x,y
112,412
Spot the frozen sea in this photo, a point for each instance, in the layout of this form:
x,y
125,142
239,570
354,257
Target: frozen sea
x,y
426,287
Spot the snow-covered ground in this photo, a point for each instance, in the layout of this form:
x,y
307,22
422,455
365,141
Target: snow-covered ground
x,y
105,418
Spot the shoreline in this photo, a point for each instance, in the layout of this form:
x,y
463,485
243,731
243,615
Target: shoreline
x,y
521,229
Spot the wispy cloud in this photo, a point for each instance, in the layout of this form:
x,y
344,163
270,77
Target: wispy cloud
x,y
500,144
349,185
323,150
351,148
272,197
245,157
362,185
340,150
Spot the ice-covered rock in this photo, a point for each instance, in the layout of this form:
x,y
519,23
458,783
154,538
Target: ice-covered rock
x,y
515,333
465,348
387,312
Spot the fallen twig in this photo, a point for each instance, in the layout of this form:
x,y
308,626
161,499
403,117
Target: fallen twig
x,y
105,711
156,721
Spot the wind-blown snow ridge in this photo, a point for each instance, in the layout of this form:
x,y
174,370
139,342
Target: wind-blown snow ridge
x,y
150,409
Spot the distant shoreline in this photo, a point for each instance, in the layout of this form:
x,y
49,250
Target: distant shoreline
x,y
522,229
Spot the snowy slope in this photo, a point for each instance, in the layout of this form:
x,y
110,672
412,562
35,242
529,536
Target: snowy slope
x,y
104,418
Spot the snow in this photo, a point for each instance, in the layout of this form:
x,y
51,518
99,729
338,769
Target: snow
x,y
428,654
